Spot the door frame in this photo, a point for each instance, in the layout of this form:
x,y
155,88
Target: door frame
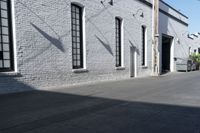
x,y
133,62
172,69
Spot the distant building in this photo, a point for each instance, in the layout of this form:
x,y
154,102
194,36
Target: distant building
x,y
195,43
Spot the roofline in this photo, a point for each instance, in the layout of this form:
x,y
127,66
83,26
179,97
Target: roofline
x,y
174,9
146,3
166,13
194,35
173,17
190,36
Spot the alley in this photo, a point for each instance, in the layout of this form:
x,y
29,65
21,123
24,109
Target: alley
x,y
165,104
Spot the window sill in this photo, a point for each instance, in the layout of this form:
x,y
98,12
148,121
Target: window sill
x,y
10,74
144,67
120,68
79,70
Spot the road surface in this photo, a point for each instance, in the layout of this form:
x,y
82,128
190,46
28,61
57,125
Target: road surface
x,y
165,104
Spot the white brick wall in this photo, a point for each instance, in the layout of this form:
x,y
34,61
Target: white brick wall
x,y
172,27
195,43
43,40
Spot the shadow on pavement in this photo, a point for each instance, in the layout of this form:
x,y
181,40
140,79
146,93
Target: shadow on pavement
x,y
51,112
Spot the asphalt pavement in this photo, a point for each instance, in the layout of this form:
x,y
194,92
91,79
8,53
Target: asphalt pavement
x,y
164,104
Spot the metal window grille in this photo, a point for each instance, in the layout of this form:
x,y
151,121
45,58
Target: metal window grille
x,y
77,38
118,41
6,46
143,44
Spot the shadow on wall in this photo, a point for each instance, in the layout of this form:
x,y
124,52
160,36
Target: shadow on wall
x,y
132,45
105,44
11,83
56,42
50,112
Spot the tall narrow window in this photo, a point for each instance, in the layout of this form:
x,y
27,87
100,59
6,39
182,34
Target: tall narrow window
x,y
118,39
77,36
143,46
6,47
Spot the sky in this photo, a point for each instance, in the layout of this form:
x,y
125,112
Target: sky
x,y
190,8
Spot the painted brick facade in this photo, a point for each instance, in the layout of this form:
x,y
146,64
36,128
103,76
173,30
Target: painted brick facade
x,y
43,41
173,24
44,48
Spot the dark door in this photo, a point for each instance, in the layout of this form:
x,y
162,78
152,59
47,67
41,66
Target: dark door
x,y
132,61
166,46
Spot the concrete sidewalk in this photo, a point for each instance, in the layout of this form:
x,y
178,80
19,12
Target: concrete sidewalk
x,y
166,104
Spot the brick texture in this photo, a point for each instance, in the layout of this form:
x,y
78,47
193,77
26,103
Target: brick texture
x,y
44,48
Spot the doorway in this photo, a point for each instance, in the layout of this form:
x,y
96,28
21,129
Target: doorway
x,y
166,53
133,70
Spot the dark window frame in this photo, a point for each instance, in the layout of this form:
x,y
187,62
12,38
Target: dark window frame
x,y
118,41
143,61
77,36
10,38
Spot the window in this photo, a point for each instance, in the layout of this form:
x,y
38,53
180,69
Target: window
x,y
199,50
143,46
118,24
6,46
195,51
77,36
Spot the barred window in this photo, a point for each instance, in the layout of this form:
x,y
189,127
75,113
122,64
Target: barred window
x,y
143,45
118,24
77,37
6,46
